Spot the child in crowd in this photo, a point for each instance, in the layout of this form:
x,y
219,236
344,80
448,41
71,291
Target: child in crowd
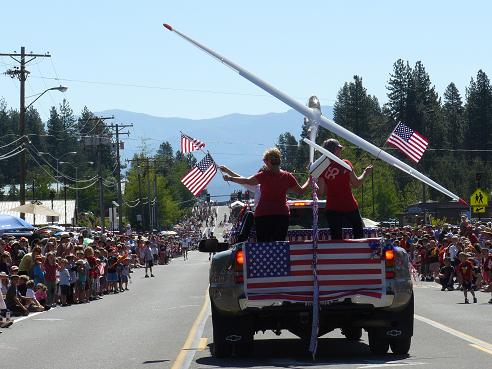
x,y
112,275
5,320
64,281
466,274
80,296
22,286
4,283
446,275
13,300
33,303
50,268
37,271
41,295
72,268
125,273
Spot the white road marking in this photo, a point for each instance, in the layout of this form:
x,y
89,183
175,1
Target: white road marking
x,y
48,319
17,320
182,306
390,364
482,345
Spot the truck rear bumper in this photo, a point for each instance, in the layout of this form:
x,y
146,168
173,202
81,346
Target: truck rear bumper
x,y
384,301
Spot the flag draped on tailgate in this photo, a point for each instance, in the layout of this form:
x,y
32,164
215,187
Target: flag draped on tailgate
x,y
283,271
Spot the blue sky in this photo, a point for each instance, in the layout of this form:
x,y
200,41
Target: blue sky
x,y
117,55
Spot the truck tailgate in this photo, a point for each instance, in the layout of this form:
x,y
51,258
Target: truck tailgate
x,y
277,272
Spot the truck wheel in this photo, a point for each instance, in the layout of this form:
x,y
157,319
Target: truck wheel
x,y
221,348
401,346
352,333
378,345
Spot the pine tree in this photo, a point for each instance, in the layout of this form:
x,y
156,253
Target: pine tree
x,y
479,113
453,116
288,146
398,90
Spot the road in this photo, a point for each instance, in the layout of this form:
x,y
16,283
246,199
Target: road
x,y
164,322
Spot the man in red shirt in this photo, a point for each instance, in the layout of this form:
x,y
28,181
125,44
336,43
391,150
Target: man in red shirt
x,y
465,272
341,206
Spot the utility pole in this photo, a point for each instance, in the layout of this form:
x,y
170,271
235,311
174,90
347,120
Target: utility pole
x,y
65,197
148,195
155,197
21,74
140,199
117,128
99,142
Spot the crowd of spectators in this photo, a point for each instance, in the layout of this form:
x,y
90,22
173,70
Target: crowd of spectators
x,y
77,268
455,256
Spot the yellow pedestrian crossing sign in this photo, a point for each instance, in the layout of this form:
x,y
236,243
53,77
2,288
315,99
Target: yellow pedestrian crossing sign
x,y
478,209
479,198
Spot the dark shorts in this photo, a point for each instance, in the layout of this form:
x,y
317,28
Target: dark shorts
x,y
149,264
337,219
271,228
64,290
467,285
112,277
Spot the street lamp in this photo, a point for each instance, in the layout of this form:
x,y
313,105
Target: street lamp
x,y
59,88
22,133
76,188
57,164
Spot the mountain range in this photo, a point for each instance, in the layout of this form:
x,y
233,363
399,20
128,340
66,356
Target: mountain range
x,y
235,140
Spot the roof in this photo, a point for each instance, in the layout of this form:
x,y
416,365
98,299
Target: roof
x,y
58,206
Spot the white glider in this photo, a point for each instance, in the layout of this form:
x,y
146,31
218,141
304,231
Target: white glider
x,y
315,115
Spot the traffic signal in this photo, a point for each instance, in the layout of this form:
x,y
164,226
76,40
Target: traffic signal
x,y
208,197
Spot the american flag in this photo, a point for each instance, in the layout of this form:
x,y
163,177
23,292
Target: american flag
x,y
412,143
201,174
282,271
189,144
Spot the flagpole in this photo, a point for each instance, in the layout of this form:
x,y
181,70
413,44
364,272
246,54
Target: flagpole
x,y
315,115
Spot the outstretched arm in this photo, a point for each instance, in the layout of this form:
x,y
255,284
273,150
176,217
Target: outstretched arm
x,y
357,181
228,171
300,189
241,180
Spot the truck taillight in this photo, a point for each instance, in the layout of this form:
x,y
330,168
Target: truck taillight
x,y
389,257
238,267
240,257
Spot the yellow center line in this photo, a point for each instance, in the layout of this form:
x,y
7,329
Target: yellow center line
x,y
202,344
178,363
474,342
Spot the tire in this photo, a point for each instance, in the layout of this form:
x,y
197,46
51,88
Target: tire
x,y
352,333
401,346
221,348
378,344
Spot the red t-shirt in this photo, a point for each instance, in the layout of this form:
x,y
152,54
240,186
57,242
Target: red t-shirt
x,y
465,269
339,195
274,187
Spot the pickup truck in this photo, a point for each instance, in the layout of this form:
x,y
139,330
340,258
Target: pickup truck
x,y
385,311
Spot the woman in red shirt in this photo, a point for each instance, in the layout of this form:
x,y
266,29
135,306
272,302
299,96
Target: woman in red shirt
x,y
272,212
341,205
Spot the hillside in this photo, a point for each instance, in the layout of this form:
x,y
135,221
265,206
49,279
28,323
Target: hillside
x,y
235,140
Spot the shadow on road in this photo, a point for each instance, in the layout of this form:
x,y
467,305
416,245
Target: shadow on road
x,y
291,353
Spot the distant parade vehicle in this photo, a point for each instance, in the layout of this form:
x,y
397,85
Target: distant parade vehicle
x,y
363,284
